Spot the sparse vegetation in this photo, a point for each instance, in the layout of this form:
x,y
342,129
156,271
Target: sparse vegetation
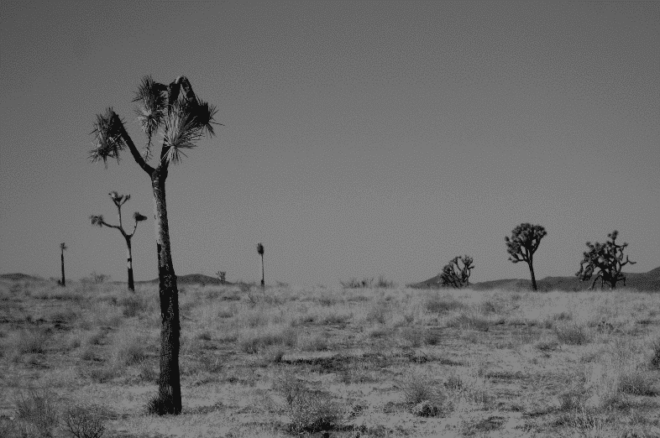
x,y
608,259
379,362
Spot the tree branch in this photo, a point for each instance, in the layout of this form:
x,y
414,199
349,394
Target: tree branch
x,y
131,146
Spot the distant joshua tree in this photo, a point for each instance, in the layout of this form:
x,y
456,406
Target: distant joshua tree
x,y
455,275
62,248
522,245
222,275
182,120
608,259
119,200
260,250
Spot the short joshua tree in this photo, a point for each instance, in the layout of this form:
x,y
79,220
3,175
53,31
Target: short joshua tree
x,y
62,248
608,259
222,275
260,250
120,200
457,272
523,243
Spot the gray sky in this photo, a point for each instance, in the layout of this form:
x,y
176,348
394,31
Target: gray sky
x,y
360,138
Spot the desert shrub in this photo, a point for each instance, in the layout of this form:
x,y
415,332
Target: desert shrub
x,y
254,341
464,321
422,398
439,305
413,335
84,421
130,350
384,283
655,358
9,428
103,374
378,313
132,306
310,411
417,388
32,341
572,334
637,383
313,343
37,412
148,373
354,283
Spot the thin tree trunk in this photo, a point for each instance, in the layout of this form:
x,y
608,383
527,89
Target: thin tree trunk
x,y
263,276
169,383
531,271
129,263
63,277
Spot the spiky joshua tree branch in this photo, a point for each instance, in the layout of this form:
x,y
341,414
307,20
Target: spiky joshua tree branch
x,y
182,119
99,221
522,245
457,272
608,259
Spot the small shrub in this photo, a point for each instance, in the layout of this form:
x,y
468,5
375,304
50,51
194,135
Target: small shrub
x,y
253,342
103,375
425,409
637,383
132,306
378,313
131,350
148,373
310,411
655,359
469,322
84,421
417,389
37,412
32,341
314,343
440,305
572,334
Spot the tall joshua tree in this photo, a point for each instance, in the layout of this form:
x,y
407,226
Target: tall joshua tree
x,y
182,119
608,259
120,200
260,250
62,248
522,245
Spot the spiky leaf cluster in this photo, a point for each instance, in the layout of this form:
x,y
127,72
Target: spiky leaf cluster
x,y
524,242
260,249
118,199
606,258
457,272
181,118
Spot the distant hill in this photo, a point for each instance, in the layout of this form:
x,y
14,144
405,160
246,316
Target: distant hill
x,y
647,281
19,277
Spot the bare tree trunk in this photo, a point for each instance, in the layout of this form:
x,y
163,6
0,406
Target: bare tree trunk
x,y
531,271
169,383
129,263
263,276
63,277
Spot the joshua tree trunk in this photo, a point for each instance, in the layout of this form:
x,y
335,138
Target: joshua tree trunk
x,y
63,277
263,276
129,264
169,385
531,271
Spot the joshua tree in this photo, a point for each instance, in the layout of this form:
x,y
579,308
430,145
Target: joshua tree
x,y
455,275
182,119
523,243
260,250
608,259
119,200
62,248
